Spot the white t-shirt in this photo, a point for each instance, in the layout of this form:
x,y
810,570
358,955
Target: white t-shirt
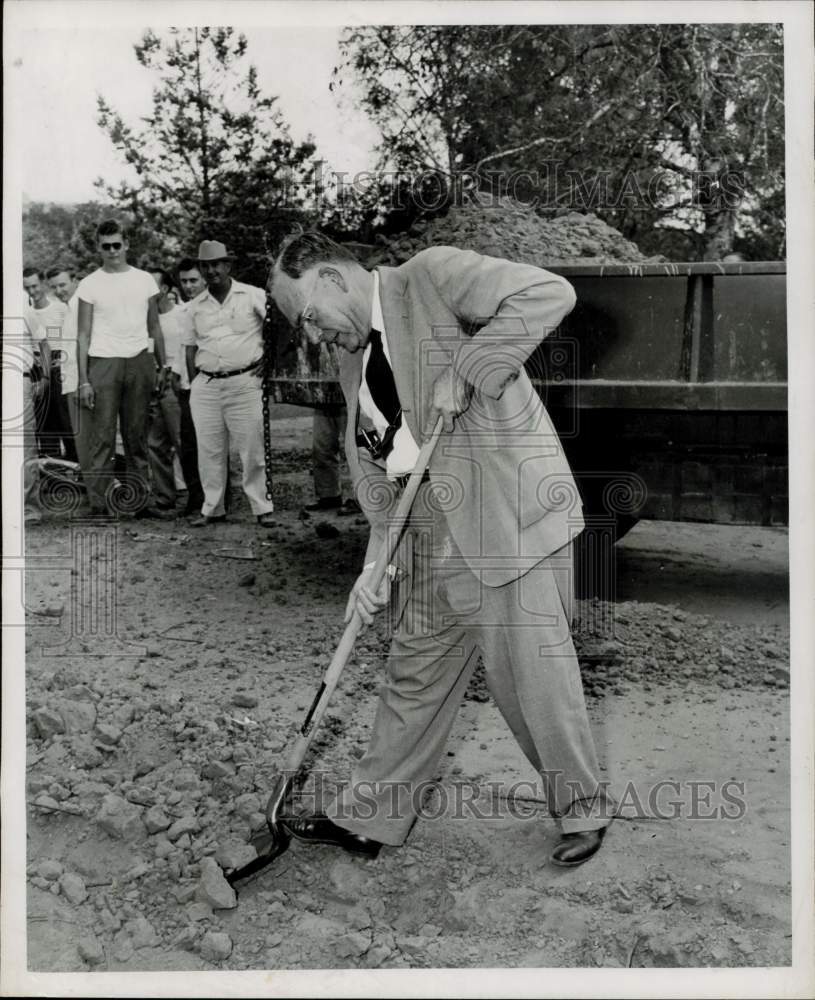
x,y
51,318
119,301
32,334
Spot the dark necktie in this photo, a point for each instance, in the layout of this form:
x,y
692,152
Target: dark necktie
x,y
380,381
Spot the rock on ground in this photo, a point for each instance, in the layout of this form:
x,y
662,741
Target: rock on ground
x,y
235,854
90,950
216,946
213,888
73,888
121,819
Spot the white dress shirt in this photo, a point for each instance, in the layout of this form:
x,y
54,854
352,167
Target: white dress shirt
x,y
402,457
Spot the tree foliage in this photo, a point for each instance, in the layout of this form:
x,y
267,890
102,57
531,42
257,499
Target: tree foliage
x,y
671,132
214,158
57,234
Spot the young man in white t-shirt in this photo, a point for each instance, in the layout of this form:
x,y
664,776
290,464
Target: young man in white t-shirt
x,y
62,280
54,423
117,319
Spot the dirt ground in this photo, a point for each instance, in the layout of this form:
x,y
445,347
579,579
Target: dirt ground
x,y
148,762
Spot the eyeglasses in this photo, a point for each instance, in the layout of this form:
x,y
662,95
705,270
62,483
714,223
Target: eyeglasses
x,y
307,324
111,246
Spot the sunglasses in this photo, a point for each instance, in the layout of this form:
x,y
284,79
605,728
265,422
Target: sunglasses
x,y
111,246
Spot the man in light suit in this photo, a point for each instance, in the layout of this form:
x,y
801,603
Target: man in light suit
x,y
486,558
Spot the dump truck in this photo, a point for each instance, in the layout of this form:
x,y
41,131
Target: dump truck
x,y
666,383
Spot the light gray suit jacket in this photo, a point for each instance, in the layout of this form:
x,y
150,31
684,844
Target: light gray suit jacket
x,y
505,486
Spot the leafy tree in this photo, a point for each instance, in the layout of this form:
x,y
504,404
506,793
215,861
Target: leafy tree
x,y
55,234
673,133
214,158
47,229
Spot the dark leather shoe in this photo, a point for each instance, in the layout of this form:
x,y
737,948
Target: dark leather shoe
x,y
349,508
319,829
204,520
155,514
324,503
575,848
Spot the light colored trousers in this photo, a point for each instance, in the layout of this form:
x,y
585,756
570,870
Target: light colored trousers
x,y
228,413
522,630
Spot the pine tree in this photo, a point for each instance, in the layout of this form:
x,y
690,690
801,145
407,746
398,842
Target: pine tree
x,y
214,159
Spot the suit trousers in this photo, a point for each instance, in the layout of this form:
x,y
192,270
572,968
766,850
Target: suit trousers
x,y
163,441
123,388
228,412
522,630
328,433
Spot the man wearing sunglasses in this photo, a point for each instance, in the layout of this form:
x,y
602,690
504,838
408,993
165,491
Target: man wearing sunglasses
x,y
119,368
486,559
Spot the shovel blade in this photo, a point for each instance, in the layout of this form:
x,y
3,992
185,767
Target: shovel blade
x,y
269,844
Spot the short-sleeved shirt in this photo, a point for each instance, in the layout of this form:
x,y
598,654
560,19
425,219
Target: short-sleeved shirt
x,y
32,334
119,300
52,318
70,366
170,323
228,334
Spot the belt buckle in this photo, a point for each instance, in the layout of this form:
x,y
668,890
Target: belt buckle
x,y
372,441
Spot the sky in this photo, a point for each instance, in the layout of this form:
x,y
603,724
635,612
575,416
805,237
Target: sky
x,y
61,70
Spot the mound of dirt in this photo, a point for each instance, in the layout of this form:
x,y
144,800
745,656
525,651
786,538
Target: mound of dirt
x,y
509,229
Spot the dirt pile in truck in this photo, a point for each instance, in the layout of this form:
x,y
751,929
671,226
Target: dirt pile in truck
x,y
506,228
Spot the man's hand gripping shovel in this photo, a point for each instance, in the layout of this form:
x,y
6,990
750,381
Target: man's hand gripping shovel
x,y
273,841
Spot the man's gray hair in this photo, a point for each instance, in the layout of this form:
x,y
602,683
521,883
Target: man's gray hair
x,y
303,250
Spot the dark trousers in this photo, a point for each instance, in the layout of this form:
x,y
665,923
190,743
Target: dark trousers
x,y
123,388
54,430
81,420
188,454
328,434
163,442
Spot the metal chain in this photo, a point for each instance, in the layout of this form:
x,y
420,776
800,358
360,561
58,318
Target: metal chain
x,y
268,358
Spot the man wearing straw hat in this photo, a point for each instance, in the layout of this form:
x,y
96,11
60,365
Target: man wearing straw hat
x,y
487,553
222,330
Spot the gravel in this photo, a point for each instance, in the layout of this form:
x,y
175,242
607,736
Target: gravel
x,y
508,229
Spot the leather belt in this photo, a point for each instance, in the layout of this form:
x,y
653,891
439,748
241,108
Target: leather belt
x,y
402,481
237,371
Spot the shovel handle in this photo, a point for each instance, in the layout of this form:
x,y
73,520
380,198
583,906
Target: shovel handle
x,y
346,644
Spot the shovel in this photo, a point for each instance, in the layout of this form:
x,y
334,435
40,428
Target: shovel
x,y
273,841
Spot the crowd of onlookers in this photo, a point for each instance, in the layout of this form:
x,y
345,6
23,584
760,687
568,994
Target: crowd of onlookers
x,y
149,380
129,357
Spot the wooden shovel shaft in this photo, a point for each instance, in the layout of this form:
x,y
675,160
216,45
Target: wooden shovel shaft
x,y
343,652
